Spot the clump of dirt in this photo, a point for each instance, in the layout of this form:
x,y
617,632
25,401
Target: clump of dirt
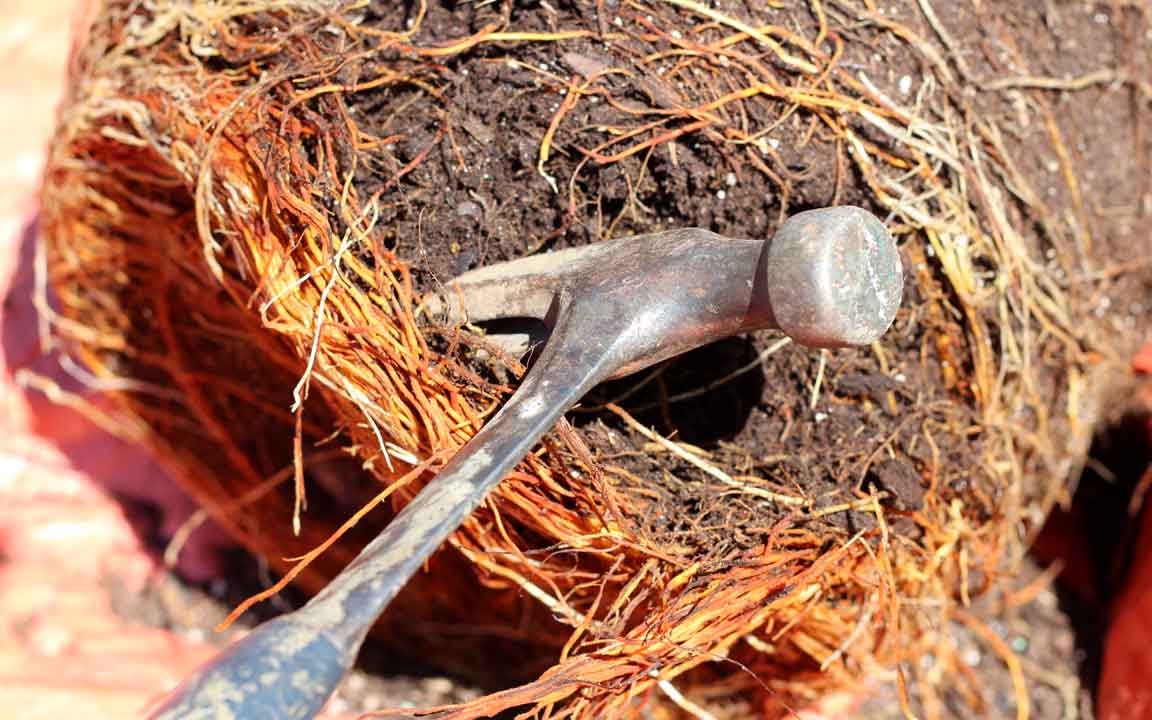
x,y
245,211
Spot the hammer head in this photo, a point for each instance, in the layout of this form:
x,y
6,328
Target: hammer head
x,y
833,277
828,278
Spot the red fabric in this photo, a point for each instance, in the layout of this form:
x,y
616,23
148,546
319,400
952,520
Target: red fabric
x,y
64,652
1125,691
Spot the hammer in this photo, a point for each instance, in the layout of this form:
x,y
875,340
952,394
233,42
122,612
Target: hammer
x,y
829,278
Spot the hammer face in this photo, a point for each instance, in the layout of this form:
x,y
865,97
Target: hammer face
x,y
834,277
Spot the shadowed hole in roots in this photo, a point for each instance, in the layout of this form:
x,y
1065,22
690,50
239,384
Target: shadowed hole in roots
x,y
1095,537
700,397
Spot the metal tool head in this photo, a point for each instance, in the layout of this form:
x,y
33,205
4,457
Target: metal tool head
x,y
834,277
829,278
